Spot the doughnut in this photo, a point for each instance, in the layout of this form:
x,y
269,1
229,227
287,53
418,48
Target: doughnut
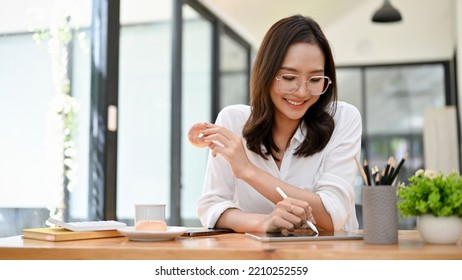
x,y
195,134
151,225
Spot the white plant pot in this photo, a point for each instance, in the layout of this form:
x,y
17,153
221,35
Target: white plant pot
x,y
439,230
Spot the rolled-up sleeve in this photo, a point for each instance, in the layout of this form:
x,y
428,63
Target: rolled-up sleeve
x,y
219,185
218,192
335,184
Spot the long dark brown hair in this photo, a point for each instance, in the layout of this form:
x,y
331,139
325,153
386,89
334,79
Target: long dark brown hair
x,y
318,119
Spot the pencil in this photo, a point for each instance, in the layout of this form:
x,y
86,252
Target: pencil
x,y
392,170
377,179
367,171
361,170
395,174
309,223
386,171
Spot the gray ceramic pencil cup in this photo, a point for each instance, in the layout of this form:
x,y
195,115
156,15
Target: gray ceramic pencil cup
x,y
380,214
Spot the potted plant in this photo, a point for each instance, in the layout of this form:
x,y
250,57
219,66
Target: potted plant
x,y
435,199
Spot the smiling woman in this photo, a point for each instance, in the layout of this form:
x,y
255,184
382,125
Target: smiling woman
x,y
290,98
294,135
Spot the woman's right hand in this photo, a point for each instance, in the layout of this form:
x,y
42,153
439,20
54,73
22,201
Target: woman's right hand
x,y
289,214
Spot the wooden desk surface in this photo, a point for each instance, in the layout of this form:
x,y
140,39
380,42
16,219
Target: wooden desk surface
x,y
226,246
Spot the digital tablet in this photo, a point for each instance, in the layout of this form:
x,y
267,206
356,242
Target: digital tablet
x,y
303,236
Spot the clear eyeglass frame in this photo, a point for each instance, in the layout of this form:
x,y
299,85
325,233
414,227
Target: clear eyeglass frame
x,y
299,81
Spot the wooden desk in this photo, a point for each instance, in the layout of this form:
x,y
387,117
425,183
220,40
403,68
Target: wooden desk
x,y
224,247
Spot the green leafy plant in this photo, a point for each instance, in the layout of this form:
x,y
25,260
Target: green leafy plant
x,y
431,192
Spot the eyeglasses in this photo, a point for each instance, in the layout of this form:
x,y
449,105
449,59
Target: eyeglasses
x,y
290,83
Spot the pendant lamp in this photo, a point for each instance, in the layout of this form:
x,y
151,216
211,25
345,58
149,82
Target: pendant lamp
x,y
387,13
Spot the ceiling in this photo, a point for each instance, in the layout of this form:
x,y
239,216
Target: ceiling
x,y
252,18
426,33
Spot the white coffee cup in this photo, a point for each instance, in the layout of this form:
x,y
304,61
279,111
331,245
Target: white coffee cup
x,y
149,212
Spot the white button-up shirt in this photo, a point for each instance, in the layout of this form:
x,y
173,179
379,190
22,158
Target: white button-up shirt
x,y
329,173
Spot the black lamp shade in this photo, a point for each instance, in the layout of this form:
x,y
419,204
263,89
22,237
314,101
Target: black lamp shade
x,y
387,13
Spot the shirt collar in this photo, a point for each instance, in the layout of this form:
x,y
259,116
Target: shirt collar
x,y
299,136
297,139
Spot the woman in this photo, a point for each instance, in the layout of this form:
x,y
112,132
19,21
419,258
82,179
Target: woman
x,y
295,135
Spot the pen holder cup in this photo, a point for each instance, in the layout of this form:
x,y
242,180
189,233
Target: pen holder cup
x,y
380,214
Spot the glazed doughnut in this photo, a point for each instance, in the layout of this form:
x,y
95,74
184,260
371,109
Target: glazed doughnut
x,y
195,135
151,225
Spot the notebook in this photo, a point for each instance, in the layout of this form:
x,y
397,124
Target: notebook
x,y
303,236
62,234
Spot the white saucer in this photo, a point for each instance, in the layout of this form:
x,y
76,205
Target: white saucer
x,y
170,234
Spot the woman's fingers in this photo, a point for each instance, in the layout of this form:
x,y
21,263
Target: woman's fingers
x,y
279,223
295,211
290,213
305,209
222,141
229,145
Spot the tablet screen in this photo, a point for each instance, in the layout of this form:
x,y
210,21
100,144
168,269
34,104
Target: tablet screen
x,y
303,235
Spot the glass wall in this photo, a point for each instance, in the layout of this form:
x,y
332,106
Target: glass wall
x,y
44,90
196,106
234,72
350,90
396,99
143,171
393,106
392,101
144,144
81,60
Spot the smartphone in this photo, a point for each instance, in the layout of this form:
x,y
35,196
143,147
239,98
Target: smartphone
x,y
206,231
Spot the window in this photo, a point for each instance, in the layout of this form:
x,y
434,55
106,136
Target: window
x,y
392,101
32,181
143,171
35,180
197,106
234,73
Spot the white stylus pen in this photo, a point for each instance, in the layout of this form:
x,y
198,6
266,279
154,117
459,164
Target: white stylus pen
x,y
310,224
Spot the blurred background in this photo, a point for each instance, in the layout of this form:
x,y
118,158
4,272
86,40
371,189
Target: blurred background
x,y
96,96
